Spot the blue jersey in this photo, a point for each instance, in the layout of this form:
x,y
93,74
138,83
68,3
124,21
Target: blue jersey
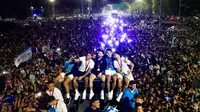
x,y
128,99
68,66
109,64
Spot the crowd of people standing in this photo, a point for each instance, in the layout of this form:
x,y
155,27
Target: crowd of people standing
x,y
159,71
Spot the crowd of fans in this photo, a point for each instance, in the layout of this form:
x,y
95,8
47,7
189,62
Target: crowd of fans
x,y
166,73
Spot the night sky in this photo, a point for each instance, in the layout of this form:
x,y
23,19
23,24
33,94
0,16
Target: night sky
x,y
19,8
22,7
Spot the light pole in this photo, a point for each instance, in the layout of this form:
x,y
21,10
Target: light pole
x,y
160,10
104,2
89,6
32,8
82,2
179,11
52,7
140,1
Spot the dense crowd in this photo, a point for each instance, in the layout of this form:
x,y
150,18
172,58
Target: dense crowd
x,y
163,61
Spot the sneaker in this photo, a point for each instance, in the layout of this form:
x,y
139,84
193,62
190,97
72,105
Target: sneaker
x,y
67,101
84,95
102,95
110,95
91,95
119,97
77,94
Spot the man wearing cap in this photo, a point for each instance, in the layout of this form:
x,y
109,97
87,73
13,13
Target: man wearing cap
x,y
98,71
94,105
87,64
128,98
123,71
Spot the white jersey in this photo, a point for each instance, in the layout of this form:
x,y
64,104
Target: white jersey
x,y
85,65
56,93
60,107
122,64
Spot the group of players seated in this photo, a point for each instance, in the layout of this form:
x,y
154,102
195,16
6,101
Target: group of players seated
x,y
112,66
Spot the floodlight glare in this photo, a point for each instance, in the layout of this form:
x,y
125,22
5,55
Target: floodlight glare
x,y
51,1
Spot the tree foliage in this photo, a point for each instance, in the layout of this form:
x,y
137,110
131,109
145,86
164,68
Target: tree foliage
x,y
131,7
143,5
169,7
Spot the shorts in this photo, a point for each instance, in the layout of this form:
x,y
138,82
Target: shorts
x,y
79,73
110,72
69,75
130,76
95,72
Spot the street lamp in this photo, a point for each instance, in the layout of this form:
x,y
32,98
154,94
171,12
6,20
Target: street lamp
x,y
32,8
52,1
90,5
52,7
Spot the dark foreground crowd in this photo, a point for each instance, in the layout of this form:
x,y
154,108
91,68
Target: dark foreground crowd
x,y
153,75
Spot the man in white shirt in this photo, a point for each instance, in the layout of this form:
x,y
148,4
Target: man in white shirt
x,y
87,64
58,105
53,91
32,78
67,79
123,71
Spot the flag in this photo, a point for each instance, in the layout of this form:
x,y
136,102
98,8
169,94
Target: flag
x,y
23,57
112,109
172,42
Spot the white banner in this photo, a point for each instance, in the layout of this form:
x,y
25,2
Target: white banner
x,y
24,56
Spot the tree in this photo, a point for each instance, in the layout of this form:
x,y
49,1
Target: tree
x,y
155,6
169,7
142,5
126,6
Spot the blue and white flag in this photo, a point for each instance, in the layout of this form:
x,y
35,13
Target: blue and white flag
x,y
172,42
112,109
24,56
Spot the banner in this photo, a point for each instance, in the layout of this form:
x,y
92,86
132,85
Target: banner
x,y
24,56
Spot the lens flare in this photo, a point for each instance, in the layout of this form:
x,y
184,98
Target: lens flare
x,y
114,33
113,49
116,43
109,41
